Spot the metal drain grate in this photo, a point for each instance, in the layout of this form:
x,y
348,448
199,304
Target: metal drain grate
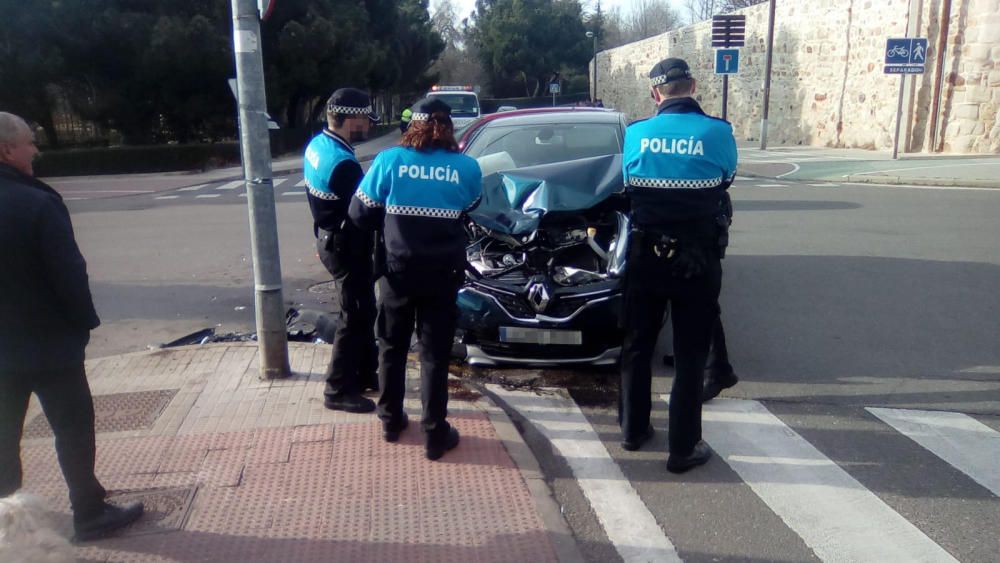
x,y
166,509
116,412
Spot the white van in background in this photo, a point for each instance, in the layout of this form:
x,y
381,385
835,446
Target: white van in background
x,y
463,100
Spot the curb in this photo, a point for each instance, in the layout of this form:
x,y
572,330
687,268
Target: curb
x,y
920,181
287,172
885,180
563,541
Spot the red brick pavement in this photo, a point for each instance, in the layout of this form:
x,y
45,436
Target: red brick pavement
x,y
319,493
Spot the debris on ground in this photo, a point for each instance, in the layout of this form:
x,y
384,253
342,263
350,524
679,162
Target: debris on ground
x,y
303,326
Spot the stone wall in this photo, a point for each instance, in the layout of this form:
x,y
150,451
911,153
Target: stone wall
x,y
827,84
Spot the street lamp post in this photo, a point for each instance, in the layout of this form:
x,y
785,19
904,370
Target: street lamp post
x,y
593,98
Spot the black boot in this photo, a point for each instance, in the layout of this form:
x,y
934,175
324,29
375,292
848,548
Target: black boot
x,y
699,456
108,519
392,430
438,445
349,402
636,443
716,382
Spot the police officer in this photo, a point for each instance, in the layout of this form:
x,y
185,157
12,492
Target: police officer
x,y
332,174
677,166
404,119
417,194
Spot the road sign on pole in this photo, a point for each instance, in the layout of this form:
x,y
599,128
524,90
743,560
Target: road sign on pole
x,y
729,31
906,55
727,61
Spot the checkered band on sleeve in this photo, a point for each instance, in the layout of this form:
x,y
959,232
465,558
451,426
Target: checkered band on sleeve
x,y
369,202
348,110
423,212
322,195
420,116
665,183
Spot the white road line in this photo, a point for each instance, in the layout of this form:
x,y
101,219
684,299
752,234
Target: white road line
x,y
834,514
192,188
301,183
967,444
231,185
792,171
827,185
916,187
626,520
293,193
770,185
206,195
244,194
926,167
167,197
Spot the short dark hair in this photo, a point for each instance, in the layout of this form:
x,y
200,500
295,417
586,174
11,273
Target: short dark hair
x,y
338,119
677,87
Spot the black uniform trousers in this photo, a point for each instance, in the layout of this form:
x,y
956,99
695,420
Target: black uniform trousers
x,y
66,400
718,354
429,303
651,284
354,364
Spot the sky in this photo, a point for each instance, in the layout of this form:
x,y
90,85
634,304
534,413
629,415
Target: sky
x,y
466,6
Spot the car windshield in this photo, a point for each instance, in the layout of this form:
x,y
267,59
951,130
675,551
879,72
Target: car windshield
x,y
501,147
462,105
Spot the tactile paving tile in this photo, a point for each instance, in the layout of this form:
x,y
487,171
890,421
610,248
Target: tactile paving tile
x,y
322,493
115,413
165,509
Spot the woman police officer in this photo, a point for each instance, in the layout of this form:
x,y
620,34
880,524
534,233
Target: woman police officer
x,y
417,194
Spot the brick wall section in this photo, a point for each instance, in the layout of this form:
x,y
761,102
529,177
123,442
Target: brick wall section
x,y
827,84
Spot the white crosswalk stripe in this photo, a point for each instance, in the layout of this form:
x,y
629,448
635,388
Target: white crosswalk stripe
x,y
167,197
627,522
192,188
771,185
205,196
965,443
231,185
293,193
301,183
837,517
834,514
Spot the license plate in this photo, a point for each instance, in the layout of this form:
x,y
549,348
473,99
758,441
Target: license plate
x,y
517,335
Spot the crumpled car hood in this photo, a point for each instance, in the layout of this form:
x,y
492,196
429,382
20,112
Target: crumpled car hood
x,y
515,201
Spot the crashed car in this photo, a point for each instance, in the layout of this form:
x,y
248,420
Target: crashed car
x,y
547,243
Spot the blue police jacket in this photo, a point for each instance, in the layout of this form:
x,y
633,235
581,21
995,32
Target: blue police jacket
x,y
332,174
418,199
677,164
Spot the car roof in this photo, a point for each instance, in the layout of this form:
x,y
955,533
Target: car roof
x,y
547,115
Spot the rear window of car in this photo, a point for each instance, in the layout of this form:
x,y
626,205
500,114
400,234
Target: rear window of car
x,y
531,145
462,105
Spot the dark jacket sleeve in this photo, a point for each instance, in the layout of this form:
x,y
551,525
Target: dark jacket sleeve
x,y
65,269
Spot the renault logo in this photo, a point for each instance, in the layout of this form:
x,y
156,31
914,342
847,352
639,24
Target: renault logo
x,y
538,296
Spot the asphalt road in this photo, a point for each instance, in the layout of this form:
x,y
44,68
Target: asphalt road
x,y
837,300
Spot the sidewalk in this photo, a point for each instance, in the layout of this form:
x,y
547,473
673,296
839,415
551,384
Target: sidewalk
x,y
232,468
125,184
805,163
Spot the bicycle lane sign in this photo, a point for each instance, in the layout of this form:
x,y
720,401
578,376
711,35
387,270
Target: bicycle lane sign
x,y
907,55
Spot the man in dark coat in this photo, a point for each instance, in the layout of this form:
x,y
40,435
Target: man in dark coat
x,y
46,315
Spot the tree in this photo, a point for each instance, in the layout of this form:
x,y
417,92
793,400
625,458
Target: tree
x,y
523,43
29,65
649,18
459,63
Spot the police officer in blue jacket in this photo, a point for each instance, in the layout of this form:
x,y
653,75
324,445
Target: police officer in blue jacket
x,y
332,174
417,194
677,166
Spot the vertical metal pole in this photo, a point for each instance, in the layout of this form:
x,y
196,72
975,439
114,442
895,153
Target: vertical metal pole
x,y
931,144
899,117
725,95
767,75
269,304
595,69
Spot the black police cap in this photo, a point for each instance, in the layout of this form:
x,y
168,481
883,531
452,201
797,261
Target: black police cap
x,y
351,101
423,109
669,70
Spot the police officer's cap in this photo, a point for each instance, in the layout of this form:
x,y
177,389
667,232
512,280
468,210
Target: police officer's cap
x,y
423,109
351,101
669,70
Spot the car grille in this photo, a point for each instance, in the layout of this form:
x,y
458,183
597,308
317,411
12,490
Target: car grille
x,y
514,305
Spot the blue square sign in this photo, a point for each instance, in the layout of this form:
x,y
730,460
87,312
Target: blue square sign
x,y
727,61
906,55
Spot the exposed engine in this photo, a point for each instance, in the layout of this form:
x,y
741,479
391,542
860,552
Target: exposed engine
x,y
569,249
